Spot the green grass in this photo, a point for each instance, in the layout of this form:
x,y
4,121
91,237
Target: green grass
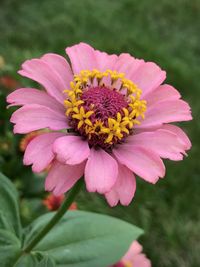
x,y
166,32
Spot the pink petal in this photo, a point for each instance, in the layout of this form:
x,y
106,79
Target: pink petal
x,y
134,249
41,72
165,112
39,151
60,65
85,57
141,261
62,177
163,142
180,134
71,149
26,96
82,57
128,65
135,257
101,171
141,161
162,93
148,77
124,188
34,117
105,61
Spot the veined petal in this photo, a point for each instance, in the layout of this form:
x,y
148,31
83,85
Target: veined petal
x,y
62,177
39,151
82,57
162,93
101,171
180,134
60,65
165,112
124,188
105,61
148,77
128,65
163,142
85,57
27,96
143,162
71,149
41,72
34,117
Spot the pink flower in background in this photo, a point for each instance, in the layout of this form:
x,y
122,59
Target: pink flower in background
x,y
53,203
108,119
134,257
28,138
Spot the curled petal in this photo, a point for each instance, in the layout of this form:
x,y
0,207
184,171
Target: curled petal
x,y
39,151
41,72
143,162
101,171
124,188
62,177
71,149
60,65
163,142
180,134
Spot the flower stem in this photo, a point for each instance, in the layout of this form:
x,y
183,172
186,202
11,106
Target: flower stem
x,y
58,215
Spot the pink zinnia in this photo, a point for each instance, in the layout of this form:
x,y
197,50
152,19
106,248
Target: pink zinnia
x,y
108,119
53,202
134,257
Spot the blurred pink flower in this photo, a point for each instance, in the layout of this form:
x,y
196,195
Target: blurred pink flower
x,y
53,202
28,138
8,82
134,257
108,119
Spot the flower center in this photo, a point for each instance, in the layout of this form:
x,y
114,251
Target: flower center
x,y
103,107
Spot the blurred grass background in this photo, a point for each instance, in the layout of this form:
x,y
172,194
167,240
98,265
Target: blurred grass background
x,y
167,32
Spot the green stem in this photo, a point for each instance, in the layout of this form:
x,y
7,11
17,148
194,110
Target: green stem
x,y
59,214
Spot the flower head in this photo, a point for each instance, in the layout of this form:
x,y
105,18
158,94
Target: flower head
x,y
134,257
107,117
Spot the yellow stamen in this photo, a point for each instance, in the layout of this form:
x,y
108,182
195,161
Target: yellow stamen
x,y
115,128
83,117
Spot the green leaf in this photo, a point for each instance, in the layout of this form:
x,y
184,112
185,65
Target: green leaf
x,y
46,262
9,209
35,259
9,248
84,239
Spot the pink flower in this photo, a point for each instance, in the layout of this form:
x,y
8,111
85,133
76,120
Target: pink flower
x,y
54,202
108,119
134,257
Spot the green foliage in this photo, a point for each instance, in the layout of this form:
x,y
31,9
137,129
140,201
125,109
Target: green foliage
x,y
9,210
10,226
9,248
83,239
35,259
